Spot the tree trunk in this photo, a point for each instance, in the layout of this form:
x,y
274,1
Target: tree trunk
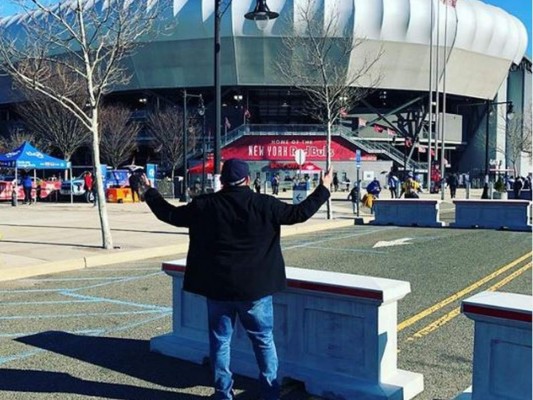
x,y
107,240
172,175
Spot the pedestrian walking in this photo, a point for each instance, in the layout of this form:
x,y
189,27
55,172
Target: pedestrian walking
x,y
453,182
88,185
257,184
517,187
275,184
374,188
353,196
134,182
335,182
27,186
393,182
235,261
410,187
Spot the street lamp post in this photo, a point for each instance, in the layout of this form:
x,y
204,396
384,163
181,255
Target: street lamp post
x,y
261,15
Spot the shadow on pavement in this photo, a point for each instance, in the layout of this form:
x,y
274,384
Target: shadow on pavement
x,y
131,357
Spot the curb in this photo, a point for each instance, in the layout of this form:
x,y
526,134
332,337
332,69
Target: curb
x,y
53,267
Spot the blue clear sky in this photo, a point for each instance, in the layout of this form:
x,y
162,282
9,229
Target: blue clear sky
x,y
519,8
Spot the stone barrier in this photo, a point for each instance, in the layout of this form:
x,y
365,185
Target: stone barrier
x,y
495,214
502,346
407,212
335,332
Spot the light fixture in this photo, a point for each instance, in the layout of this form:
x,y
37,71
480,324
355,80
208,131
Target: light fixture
x,y
261,15
237,97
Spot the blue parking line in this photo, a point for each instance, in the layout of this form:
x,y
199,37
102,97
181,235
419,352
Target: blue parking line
x,y
121,280
78,315
103,278
46,303
90,332
113,301
19,356
99,332
130,279
136,324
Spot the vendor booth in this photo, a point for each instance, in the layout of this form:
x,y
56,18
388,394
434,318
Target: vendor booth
x,y
28,157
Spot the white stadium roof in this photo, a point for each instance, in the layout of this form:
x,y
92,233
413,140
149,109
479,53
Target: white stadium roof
x,y
482,41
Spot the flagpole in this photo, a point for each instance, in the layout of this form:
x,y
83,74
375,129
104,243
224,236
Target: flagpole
x,y
430,102
437,82
443,130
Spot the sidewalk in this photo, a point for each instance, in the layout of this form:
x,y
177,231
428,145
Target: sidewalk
x,y
47,237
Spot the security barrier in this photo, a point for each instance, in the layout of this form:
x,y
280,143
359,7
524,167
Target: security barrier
x,y
502,346
335,332
496,214
407,212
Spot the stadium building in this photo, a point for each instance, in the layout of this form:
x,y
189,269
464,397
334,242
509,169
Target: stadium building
x,y
472,51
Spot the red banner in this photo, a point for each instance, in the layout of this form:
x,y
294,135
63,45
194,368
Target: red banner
x,y
276,148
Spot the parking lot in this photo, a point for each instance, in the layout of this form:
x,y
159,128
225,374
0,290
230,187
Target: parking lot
x,y
85,334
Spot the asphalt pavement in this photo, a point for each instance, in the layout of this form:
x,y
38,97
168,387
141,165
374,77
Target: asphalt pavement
x,y
48,237
78,324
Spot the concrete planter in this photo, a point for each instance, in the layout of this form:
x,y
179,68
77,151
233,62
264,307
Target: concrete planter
x,y
499,195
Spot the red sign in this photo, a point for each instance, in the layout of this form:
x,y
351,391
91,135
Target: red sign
x,y
279,148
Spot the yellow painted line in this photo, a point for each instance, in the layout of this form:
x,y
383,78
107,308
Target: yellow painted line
x,y
428,311
456,311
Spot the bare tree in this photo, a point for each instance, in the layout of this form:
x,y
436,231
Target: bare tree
x,y
16,137
166,127
323,60
52,123
118,135
89,40
518,139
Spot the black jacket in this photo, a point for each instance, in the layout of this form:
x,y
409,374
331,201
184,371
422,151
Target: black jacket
x,y
234,250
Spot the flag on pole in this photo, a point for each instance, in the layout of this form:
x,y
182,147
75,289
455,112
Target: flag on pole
x,y
227,123
391,132
408,142
378,129
452,3
422,149
362,122
247,114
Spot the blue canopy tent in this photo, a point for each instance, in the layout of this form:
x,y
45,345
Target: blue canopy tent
x,y
28,157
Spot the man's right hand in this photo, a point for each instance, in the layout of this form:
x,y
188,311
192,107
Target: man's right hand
x,y
327,178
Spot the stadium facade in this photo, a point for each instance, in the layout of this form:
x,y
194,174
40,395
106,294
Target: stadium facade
x,y
477,57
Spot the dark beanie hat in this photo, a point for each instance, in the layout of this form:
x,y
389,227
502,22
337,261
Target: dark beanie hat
x,y
234,172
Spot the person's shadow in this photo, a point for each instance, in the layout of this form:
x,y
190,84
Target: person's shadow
x,y
126,356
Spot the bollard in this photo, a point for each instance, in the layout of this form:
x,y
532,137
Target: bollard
x,y
14,197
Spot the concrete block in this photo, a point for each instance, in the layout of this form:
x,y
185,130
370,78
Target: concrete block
x,y
334,332
493,214
407,212
502,346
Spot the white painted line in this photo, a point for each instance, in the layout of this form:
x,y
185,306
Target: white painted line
x,y
388,243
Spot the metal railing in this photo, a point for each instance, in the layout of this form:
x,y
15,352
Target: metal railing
x,y
370,146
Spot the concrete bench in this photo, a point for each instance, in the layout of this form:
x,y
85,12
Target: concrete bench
x,y
502,346
495,214
407,212
334,332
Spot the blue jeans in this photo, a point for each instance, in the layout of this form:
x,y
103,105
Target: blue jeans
x,y
257,318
